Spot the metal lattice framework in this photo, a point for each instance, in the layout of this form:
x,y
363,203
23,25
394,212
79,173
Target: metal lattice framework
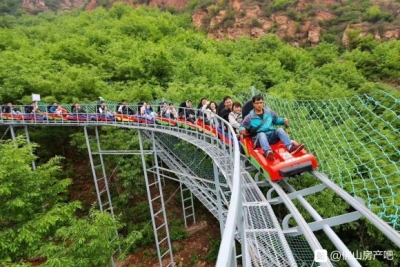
x,y
214,192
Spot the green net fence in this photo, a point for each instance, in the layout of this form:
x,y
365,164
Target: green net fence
x,y
356,142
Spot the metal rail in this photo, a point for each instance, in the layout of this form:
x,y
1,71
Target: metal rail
x,y
388,231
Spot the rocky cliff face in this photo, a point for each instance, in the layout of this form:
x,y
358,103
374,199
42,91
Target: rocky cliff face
x,y
42,5
248,18
91,4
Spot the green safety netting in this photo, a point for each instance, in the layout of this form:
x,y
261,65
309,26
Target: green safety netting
x,y
356,141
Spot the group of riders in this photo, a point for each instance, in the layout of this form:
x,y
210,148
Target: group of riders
x,y
259,123
231,112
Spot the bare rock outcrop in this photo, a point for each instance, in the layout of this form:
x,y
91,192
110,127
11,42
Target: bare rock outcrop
x,y
34,4
392,34
179,4
62,4
314,35
364,30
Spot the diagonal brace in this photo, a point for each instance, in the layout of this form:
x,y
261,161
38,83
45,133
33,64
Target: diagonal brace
x,y
295,194
318,225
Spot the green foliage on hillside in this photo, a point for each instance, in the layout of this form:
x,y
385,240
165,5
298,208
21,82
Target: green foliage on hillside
x,y
142,55
11,7
38,220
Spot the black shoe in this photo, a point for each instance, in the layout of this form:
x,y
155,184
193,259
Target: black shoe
x,y
269,155
295,148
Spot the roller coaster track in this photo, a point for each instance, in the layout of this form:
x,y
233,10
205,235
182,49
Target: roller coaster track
x,y
232,195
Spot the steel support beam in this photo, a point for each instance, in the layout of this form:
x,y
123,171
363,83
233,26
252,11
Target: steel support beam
x,y
308,233
326,228
295,194
386,229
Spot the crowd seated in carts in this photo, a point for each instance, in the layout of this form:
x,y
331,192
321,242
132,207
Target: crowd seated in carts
x,y
268,147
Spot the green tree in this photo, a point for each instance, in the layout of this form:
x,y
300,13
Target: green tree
x,y
85,242
33,204
374,14
324,53
38,220
11,7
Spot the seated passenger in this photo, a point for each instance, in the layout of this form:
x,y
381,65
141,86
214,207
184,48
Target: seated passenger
x,y
260,124
32,108
224,113
171,112
60,110
147,111
143,109
8,108
103,109
76,108
210,112
235,117
125,109
52,108
186,111
200,106
164,109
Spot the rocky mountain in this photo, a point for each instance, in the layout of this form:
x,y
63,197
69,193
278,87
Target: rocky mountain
x,y
39,5
300,22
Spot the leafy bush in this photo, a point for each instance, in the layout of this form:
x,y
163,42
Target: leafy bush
x,y
256,23
11,7
229,19
212,254
199,4
280,5
374,14
178,233
87,242
330,38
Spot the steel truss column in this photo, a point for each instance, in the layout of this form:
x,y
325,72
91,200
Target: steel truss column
x,y
162,173
12,133
190,180
160,226
29,141
187,203
221,217
101,183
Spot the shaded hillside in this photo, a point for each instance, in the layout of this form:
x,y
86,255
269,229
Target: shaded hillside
x,y
300,22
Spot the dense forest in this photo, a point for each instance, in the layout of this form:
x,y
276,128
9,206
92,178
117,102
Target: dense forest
x,y
143,54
